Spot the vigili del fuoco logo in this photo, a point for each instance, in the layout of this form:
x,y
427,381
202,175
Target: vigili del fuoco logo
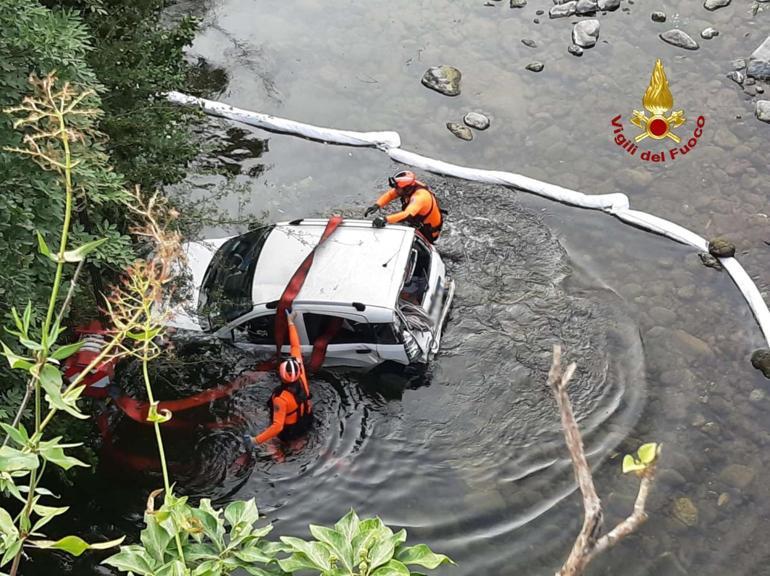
x,y
661,124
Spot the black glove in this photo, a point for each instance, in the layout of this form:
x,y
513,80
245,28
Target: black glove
x,y
379,222
371,210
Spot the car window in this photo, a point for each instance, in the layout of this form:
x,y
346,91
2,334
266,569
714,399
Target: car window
x,y
339,330
259,330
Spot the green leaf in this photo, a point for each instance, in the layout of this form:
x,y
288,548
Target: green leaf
x,y
348,525
12,460
66,351
53,452
7,527
27,319
155,539
337,542
392,568
630,464
211,522
296,562
253,554
42,246
196,552
240,511
145,335
316,552
15,361
647,453
30,344
382,551
158,417
173,568
208,568
51,380
11,551
75,545
423,556
80,253
17,320
18,435
132,559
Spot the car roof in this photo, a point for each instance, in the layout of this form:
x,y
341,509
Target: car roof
x,y
358,263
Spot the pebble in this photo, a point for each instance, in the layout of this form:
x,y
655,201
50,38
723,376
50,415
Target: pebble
x,y
535,66
721,247
715,4
709,33
710,261
658,16
586,7
443,79
760,359
529,43
738,64
476,120
609,5
757,395
539,12
763,110
724,499
759,62
462,132
737,77
685,511
585,33
737,475
678,38
518,3
575,50
563,10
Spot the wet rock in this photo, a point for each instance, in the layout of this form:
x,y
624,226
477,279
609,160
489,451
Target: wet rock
x,y
680,39
586,7
721,247
476,120
518,3
757,395
723,500
737,77
609,5
575,50
685,511
539,12
737,475
662,315
710,261
563,10
585,33
709,33
763,110
529,43
759,62
691,344
658,16
443,79
715,4
671,478
535,66
462,132
738,64
760,359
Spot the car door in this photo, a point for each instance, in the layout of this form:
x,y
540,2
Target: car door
x,y
256,333
351,340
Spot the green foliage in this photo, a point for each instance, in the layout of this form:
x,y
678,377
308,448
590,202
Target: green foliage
x,y
645,457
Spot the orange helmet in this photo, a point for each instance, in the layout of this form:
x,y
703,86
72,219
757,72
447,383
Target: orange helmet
x,y
403,180
289,371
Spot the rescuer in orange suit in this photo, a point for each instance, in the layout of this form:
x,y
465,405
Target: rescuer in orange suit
x,y
419,206
290,407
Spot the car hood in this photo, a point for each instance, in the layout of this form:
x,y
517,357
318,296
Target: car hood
x,y
198,257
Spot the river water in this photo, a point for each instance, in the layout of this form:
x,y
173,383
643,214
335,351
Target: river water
x,y
469,457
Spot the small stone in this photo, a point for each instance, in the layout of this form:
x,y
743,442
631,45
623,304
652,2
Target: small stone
x,y
737,77
563,10
685,511
658,16
759,90
462,132
575,50
529,43
737,475
723,499
757,395
760,359
585,33
586,7
609,5
443,79
738,64
518,3
710,261
721,248
709,33
535,66
539,12
715,4
759,62
476,120
676,37
763,110
698,420
536,20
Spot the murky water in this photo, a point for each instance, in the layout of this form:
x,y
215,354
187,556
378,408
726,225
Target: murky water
x,y
469,457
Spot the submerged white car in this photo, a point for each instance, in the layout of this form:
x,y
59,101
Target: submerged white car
x,y
377,294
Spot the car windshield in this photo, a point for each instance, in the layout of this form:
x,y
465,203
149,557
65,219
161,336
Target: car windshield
x,y
227,285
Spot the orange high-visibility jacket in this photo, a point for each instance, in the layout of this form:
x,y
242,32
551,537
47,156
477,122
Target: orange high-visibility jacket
x,y
286,407
420,209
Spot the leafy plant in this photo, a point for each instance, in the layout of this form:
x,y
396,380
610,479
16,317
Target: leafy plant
x,y
645,457
357,547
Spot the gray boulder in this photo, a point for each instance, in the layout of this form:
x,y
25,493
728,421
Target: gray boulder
x,y
658,16
609,5
709,33
518,3
680,39
759,62
586,7
443,79
563,10
535,66
476,120
715,4
760,359
585,33
462,132
737,77
763,110
721,248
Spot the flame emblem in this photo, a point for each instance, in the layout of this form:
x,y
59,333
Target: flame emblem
x,y
658,100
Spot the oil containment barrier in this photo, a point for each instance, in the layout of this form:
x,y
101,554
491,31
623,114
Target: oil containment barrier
x,y
390,142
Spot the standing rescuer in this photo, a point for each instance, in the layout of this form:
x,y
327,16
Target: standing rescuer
x,y
290,406
419,206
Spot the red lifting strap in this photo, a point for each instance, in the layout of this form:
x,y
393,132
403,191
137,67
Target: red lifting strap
x,y
295,285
